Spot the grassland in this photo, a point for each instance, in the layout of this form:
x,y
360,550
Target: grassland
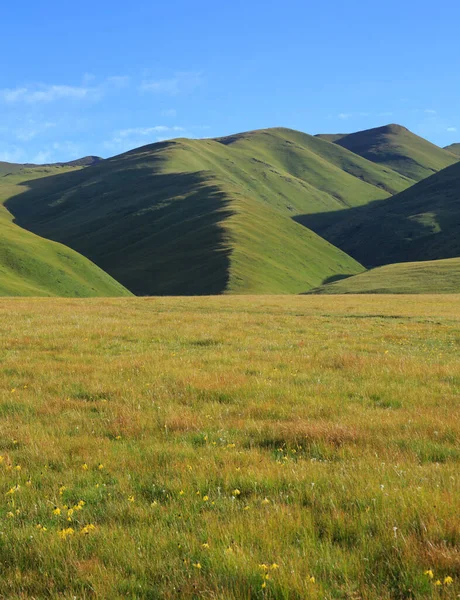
x,y
454,148
33,266
397,148
423,277
418,224
231,447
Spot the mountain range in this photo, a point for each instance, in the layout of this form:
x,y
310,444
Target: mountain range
x,y
266,211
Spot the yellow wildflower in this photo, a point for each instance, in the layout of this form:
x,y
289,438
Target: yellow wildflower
x,y
438,582
236,492
264,585
10,515
274,566
265,501
57,511
84,467
429,573
86,530
205,498
100,467
205,546
311,579
64,533
448,580
181,493
197,565
130,498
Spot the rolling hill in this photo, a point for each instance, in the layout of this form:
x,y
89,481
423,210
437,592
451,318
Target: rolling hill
x,y
420,223
209,216
33,266
398,148
454,149
424,277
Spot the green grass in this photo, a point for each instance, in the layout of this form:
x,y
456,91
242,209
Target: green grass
x,y
398,148
424,277
33,266
454,148
214,441
209,216
420,223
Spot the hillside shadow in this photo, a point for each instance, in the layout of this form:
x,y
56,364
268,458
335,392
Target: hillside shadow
x,y
392,230
156,233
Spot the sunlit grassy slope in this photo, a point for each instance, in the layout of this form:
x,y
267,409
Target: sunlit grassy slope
x,y
424,277
233,447
454,148
398,148
209,216
421,223
33,266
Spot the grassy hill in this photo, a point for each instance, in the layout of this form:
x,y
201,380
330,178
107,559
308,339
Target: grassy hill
x,y
33,266
398,148
454,149
424,277
209,216
421,223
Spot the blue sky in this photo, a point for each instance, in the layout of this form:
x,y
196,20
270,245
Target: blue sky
x,y
102,77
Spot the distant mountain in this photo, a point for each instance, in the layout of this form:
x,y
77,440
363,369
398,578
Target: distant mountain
x,y
209,216
423,277
454,148
398,148
420,223
33,266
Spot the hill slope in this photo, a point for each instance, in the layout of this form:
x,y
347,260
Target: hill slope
x,y
454,149
209,216
33,266
397,148
424,277
421,223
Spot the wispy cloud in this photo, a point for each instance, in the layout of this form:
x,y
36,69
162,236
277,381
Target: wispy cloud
x,y
47,93
180,83
32,129
147,131
169,112
42,93
451,129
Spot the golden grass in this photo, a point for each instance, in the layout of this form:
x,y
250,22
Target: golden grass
x,y
317,437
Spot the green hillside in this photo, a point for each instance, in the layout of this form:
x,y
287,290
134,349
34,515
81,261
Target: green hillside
x,y
454,148
424,277
33,266
421,223
209,216
397,148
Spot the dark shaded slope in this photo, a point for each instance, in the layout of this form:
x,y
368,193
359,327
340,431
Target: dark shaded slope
x,y
421,223
200,217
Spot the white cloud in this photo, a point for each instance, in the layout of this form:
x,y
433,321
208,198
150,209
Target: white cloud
x,y
148,130
169,112
430,111
119,81
451,129
180,83
47,93
344,115
12,155
31,129
42,157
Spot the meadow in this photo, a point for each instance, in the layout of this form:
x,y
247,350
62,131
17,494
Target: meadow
x,y
237,447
